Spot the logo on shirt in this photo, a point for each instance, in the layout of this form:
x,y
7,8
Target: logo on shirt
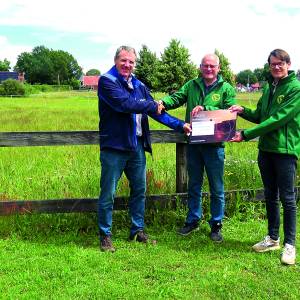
x,y
215,97
280,99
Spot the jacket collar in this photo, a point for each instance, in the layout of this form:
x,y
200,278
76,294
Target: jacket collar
x,y
114,72
200,81
291,76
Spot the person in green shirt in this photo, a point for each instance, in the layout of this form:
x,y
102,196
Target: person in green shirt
x,y
278,117
207,92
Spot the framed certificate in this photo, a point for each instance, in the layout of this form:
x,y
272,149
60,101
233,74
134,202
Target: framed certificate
x,y
213,126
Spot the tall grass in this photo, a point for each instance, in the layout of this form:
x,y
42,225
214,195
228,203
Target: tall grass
x,y
73,171
57,256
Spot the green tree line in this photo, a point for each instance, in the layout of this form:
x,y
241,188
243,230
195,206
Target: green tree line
x,y
166,73
47,66
169,72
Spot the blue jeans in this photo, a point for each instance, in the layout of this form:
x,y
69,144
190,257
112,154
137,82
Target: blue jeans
x,y
210,158
278,173
113,164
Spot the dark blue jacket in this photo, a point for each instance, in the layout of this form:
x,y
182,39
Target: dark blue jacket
x,y
118,105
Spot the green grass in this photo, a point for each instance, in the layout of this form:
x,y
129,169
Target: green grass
x,y
58,257
74,171
53,172
60,111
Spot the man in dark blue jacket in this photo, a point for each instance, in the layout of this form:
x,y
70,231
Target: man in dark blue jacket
x,y
124,103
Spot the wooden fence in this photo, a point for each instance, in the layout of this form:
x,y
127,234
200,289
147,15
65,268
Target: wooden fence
x,y
22,139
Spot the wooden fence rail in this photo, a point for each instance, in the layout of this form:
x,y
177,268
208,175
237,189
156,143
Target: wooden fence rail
x,y
22,139
59,138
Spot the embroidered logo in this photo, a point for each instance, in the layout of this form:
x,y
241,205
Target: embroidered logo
x,y
215,97
280,99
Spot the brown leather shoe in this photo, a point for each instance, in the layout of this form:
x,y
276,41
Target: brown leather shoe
x,y
139,236
106,244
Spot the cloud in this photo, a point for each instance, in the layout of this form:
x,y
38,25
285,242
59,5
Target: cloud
x,y
10,51
245,31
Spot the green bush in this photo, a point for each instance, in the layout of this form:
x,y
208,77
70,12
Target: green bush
x,y
75,84
44,88
30,89
12,87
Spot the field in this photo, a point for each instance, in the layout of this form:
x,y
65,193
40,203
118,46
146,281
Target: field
x,y
57,256
53,172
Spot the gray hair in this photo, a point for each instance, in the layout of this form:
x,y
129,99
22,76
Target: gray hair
x,y
125,48
212,55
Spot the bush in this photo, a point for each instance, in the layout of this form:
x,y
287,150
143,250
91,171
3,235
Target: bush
x,y
75,84
30,89
12,87
44,88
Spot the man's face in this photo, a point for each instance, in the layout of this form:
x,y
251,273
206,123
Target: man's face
x,y
125,63
209,67
278,68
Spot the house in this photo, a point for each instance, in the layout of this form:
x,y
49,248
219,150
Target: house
x,y
11,75
89,82
255,87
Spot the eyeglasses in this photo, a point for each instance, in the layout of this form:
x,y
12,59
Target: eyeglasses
x,y
280,65
209,66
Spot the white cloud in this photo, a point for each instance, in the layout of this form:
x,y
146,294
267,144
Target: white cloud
x,y
10,51
245,31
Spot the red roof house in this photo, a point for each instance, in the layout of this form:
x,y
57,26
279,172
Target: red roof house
x,y
90,82
255,85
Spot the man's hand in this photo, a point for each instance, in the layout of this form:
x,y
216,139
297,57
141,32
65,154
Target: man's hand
x,y
236,108
187,128
160,108
238,137
196,109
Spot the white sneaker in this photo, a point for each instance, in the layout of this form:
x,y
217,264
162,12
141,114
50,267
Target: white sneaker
x,y
288,256
267,244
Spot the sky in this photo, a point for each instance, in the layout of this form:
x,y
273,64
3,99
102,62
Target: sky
x,y
245,31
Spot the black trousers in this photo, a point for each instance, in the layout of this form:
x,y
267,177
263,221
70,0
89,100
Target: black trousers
x,y
278,172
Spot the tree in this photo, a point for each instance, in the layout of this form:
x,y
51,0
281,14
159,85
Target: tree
x,y
175,67
298,74
25,64
147,67
4,65
225,70
65,67
48,66
266,72
245,77
259,73
93,72
262,74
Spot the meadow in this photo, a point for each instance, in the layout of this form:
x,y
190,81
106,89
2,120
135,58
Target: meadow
x,y
57,256
53,172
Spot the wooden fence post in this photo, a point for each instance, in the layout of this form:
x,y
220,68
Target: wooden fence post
x,y
181,171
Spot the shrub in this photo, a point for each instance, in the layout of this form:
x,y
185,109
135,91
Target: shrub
x,y
44,88
75,84
12,87
30,89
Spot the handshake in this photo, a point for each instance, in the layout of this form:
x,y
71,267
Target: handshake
x,y
160,107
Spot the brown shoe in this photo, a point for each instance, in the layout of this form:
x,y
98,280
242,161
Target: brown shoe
x,y
139,236
106,244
